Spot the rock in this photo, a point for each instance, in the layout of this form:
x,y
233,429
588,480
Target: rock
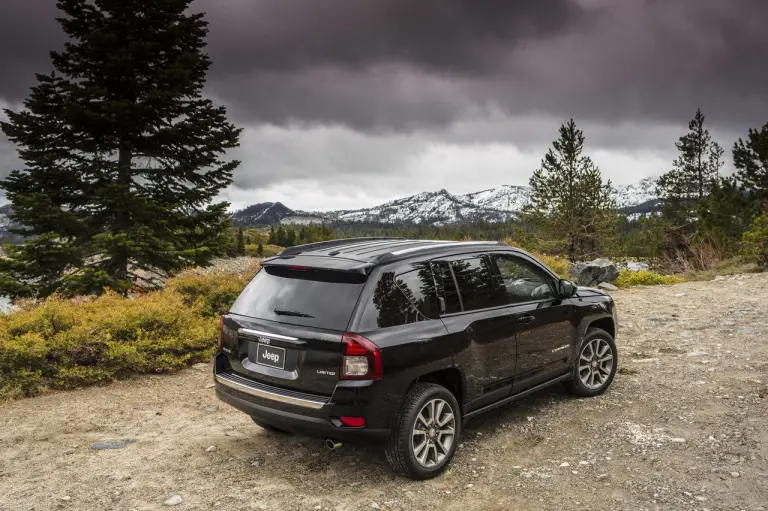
x,y
210,448
735,474
677,440
174,500
565,464
210,385
593,272
374,505
607,286
202,366
470,485
69,451
633,266
210,408
66,498
112,444
697,353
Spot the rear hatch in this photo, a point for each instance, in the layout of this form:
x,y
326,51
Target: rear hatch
x,y
285,328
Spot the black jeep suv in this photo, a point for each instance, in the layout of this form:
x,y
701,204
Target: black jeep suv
x,y
403,341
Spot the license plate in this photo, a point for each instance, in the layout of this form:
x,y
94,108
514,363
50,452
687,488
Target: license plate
x,y
271,356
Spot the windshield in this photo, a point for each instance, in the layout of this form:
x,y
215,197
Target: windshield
x,y
317,298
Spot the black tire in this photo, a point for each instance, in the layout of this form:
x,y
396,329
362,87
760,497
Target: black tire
x,y
269,428
399,449
576,385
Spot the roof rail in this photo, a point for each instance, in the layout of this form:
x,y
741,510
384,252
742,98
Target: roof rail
x,y
431,244
298,249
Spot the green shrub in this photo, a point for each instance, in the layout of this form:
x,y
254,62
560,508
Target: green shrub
x,y
68,343
754,242
629,278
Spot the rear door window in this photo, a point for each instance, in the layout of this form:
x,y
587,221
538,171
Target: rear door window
x,y
446,286
477,285
316,298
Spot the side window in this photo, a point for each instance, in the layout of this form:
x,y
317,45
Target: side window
x,y
401,299
523,281
477,286
446,287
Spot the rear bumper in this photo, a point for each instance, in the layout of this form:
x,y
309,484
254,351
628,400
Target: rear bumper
x,y
306,414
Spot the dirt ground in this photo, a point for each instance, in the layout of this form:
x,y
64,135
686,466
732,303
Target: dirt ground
x,y
684,426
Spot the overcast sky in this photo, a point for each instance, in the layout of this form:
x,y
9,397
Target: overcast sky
x,y
349,103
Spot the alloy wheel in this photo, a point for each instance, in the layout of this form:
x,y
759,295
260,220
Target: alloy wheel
x,y
433,433
595,363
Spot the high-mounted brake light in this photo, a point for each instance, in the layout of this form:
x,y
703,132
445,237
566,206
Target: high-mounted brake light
x,y
361,359
298,268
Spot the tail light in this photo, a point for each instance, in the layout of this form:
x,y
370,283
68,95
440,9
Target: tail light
x,y
361,359
221,333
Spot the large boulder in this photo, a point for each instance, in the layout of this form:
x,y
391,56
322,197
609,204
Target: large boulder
x,y
634,266
593,273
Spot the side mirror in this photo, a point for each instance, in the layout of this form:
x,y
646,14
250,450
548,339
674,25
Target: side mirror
x,y
567,288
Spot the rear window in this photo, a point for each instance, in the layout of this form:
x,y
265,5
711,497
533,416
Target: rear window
x,y
316,298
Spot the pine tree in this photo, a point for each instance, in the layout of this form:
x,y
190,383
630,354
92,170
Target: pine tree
x,y
272,240
240,242
280,237
569,199
751,162
694,171
123,156
260,250
290,237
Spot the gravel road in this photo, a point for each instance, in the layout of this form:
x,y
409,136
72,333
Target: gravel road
x,y
683,427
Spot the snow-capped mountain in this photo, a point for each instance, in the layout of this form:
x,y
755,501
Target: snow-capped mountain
x,y
434,208
493,205
264,213
628,196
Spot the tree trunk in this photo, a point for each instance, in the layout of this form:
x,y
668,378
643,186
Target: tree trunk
x,y
119,263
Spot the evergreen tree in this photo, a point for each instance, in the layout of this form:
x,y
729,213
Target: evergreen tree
x,y
122,154
694,171
260,250
290,237
272,240
751,162
280,237
569,199
721,216
240,242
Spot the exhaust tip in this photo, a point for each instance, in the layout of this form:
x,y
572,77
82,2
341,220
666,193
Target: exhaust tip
x,y
332,444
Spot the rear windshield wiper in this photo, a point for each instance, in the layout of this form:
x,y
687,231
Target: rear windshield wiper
x,y
284,312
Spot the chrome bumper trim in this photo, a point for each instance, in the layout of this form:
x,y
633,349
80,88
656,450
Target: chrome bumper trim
x,y
233,382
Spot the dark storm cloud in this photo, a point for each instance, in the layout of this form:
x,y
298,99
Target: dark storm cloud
x,y
405,64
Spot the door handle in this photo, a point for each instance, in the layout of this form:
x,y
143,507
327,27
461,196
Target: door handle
x,y
527,318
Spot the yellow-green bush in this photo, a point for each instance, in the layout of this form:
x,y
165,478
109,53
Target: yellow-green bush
x,y
267,250
67,343
629,278
557,264
211,294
